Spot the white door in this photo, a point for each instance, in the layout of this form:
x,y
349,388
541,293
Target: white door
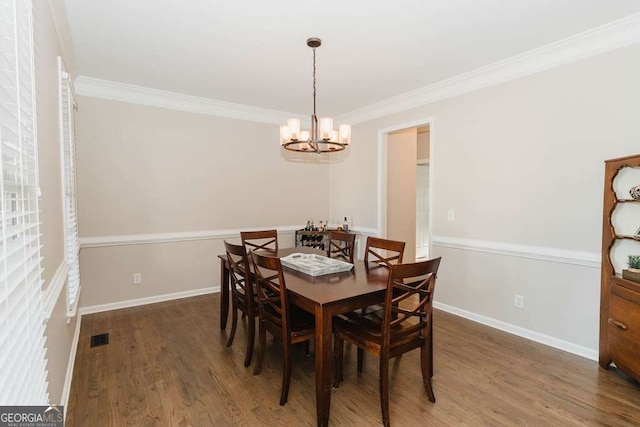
x,y
422,212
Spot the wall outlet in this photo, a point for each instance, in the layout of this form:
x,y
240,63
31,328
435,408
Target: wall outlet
x,y
137,278
518,301
451,215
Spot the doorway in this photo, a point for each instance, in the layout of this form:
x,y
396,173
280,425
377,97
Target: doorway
x,y
405,168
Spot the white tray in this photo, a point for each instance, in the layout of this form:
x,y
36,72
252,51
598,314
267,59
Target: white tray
x,y
315,265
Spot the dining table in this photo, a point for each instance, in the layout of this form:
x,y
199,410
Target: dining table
x,y
324,296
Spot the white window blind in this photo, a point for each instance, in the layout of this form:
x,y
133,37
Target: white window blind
x,y
23,375
68,152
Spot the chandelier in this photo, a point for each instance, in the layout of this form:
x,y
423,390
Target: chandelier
x,y
322,138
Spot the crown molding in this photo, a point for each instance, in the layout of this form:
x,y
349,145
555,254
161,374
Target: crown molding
x,y
123,92
605,38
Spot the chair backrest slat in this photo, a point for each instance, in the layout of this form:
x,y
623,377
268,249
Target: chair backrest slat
x,y
241,285
271,291
383,251
260,240
406,283
341,245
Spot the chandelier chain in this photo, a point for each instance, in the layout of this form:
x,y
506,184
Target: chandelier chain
x,y
314,81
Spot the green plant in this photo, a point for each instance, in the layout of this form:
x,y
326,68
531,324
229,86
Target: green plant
x,y
634,261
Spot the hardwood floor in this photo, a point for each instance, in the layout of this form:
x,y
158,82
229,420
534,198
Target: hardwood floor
x,y
166,364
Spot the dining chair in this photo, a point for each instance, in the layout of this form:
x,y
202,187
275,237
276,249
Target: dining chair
x,y
409,296
260,240
287,323
383,252
341,245
243,297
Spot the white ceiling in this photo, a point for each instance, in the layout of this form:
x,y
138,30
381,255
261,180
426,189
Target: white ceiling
x,y
254,52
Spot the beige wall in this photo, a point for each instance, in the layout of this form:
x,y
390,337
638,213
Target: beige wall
x,y
352,189
401,190
145,170
520,163
51,37
152,170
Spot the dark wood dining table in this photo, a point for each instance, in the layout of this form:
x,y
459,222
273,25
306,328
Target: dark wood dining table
x,y
325,297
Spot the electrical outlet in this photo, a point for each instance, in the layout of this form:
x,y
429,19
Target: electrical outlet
x,y
137,278
451,215
518,301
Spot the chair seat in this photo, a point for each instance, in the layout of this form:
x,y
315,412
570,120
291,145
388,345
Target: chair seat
x,y
368,327
302,322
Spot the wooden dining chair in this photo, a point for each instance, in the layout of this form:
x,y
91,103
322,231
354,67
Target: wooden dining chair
x,y
243,297
289,324
341,245
260,240
409,296
383,252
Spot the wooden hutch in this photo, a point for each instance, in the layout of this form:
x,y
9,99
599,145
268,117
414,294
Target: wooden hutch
x,y
619,298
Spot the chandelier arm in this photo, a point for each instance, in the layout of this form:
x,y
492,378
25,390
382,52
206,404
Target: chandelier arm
x,y
329,141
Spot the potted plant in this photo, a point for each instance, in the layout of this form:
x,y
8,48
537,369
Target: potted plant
x,y
633,272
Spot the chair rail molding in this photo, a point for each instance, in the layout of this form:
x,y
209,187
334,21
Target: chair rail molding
x,y
605,38
185,236
564,256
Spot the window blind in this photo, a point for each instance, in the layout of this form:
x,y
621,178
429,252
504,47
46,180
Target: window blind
x,y
23,375
68,151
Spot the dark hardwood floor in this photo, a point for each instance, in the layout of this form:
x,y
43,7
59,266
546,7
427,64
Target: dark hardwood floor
x,y
167,364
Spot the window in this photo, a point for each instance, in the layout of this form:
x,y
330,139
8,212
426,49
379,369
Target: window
x,y
23,375
70,207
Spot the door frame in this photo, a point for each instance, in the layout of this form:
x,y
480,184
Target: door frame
x,y
383,148
426,162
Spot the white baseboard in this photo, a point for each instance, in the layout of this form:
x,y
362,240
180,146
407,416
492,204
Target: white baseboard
x,y
66,389
521,332
115,306
147,300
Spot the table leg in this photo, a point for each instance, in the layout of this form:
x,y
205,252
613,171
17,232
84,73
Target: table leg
x,y
224,299
324,363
